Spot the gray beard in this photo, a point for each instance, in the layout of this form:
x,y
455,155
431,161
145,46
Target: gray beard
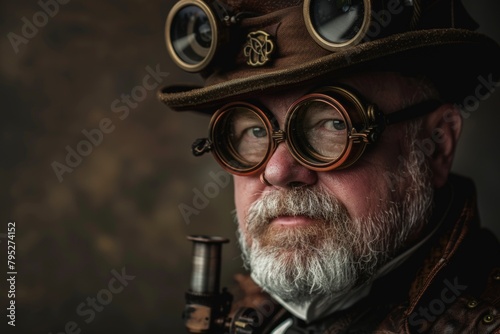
x,y
336,253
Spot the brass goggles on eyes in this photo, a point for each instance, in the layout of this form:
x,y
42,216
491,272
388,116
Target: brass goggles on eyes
x,y
196,30
324,130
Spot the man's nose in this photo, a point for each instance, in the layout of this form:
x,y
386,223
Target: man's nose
x,y
283,171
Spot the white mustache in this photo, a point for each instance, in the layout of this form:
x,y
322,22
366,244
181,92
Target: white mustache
x,y
316,204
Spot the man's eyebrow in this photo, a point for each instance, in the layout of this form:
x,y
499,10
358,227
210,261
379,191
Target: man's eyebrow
x,y
246,115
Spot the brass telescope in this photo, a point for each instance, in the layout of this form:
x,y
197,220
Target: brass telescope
x,y
208,308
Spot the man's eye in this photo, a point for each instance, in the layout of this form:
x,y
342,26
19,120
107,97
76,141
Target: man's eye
x,y
257,132
334,124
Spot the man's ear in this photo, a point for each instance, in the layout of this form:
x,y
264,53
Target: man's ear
x,y
444,126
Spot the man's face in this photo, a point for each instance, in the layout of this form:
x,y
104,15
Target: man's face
x,y
310,233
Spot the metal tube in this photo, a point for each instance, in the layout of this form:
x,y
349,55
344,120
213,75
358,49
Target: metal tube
x,y
205,278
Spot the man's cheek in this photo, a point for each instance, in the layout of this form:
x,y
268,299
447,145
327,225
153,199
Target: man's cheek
x,y
242,227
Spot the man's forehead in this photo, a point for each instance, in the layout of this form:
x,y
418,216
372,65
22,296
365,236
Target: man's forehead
x,y
388,90
279,102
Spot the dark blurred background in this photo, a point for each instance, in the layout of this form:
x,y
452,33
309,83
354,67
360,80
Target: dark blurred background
x,y
118,210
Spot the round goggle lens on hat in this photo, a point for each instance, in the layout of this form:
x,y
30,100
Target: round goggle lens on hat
x,y
191,34
337,21
318,132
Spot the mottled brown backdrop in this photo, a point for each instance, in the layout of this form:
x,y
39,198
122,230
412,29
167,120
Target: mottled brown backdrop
x,y
117,210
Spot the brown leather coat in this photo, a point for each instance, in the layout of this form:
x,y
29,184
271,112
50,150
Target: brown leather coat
x,y
451,286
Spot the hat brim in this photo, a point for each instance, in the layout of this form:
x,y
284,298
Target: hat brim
x,y
454,59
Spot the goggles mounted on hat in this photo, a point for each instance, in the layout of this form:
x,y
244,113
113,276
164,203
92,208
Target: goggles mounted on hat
x,y
243,47
196,30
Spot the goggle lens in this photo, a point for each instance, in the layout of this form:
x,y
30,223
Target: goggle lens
x,y
192,35
243,138
318,132
337,21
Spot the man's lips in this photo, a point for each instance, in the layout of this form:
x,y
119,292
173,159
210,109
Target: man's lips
x,y
293,221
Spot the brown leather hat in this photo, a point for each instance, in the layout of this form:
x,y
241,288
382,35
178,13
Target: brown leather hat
x,y
266,46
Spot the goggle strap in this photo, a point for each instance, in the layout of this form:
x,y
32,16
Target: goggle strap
x,y
420,109
224,13
201,146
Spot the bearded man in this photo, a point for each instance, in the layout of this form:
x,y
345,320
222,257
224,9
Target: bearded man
x,y
320,110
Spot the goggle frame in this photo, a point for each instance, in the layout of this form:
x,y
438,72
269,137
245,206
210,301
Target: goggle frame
x,y
222,19
359,135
